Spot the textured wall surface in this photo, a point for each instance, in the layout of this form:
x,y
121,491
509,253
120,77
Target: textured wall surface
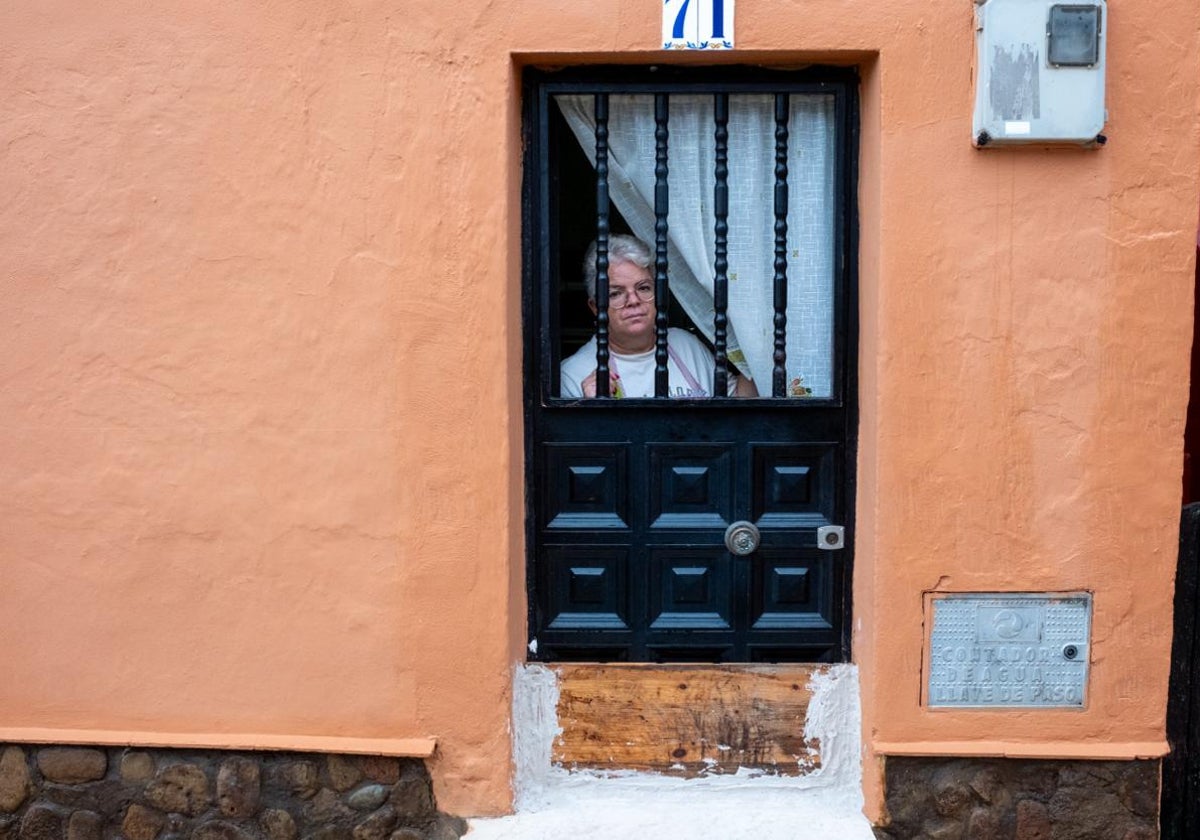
x,y
78,793
260,389
1005,799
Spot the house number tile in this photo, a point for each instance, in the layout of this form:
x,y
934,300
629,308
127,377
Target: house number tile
x,y
697,24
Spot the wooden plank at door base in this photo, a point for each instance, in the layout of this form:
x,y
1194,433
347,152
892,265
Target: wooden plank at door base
x,y
685,720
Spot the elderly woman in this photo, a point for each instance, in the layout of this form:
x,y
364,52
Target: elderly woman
x,y
631,332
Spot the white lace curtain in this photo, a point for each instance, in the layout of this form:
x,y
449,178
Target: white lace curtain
x,y
751,239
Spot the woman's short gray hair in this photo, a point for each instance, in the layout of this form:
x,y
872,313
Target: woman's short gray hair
x,y
621,248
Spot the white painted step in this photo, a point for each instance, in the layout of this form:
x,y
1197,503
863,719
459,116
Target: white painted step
x,y
719,813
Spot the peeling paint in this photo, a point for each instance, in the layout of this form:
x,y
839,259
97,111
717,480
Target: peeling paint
x,y
1013,89
534,728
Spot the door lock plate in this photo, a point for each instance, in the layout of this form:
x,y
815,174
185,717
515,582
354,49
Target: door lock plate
x,y
831,537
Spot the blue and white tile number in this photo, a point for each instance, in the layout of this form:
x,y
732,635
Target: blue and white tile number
x,y
697,24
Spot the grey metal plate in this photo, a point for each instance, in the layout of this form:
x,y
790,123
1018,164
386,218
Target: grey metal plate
x,y
996,649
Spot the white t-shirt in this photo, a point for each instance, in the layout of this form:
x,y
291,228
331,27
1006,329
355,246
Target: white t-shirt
x,y
690,369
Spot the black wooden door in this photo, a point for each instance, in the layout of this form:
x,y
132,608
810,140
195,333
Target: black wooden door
x,y
630,501
1180,818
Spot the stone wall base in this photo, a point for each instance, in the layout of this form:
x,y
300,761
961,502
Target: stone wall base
x,y
86,793
1019,799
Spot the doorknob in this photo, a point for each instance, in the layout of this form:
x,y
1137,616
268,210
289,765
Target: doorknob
x,y
742,538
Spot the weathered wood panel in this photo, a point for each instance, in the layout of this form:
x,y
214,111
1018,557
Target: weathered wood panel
x,y
685,719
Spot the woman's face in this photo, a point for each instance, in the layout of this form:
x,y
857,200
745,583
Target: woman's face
x,y
630,319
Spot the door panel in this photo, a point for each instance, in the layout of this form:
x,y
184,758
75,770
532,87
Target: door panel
x,y
586,587
691,589
585,486
794,484
691,486
631,556
790,590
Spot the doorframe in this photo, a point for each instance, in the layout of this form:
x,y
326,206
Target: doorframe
x,y
847,348
1179,810
1179,805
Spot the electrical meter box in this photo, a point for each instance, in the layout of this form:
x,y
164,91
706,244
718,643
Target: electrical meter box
x,y
1039,72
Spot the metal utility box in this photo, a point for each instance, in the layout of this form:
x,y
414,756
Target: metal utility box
x,y
996,649
1040,72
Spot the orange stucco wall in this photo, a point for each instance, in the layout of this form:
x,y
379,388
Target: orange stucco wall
x,y
260,425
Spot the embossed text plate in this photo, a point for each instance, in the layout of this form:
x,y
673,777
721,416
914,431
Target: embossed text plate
x,y
989,649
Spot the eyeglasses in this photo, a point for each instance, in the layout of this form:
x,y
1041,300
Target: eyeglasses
x,y
619,298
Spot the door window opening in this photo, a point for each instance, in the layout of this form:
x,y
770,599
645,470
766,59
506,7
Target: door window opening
x,y
735,195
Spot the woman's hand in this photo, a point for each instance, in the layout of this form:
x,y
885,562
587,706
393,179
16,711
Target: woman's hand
x,y
589,384
745,387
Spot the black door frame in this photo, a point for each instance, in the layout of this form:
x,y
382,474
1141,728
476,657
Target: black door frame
x,y
1180,808
539,313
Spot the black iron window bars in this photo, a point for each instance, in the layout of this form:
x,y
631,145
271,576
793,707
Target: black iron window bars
x,y
720,231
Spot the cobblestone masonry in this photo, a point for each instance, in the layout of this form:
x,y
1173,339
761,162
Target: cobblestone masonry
x,y
1014,799
83,793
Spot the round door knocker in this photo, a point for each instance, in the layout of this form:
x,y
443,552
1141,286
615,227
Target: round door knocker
x,y
742,538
